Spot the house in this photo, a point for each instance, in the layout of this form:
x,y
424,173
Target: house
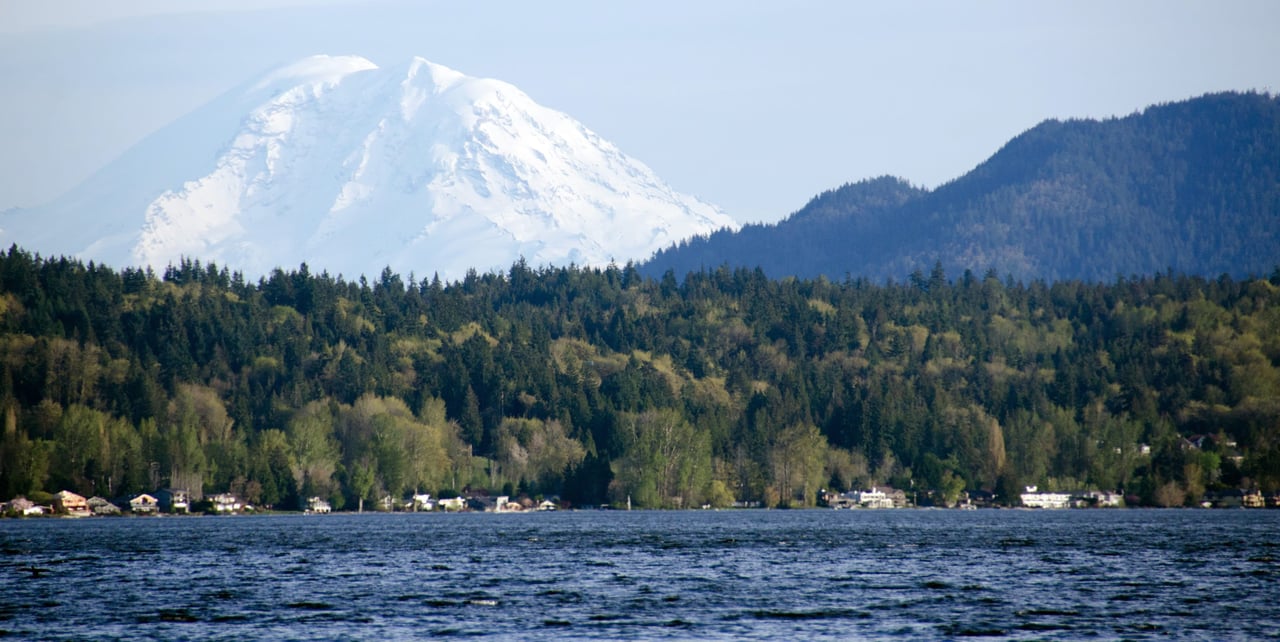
x,y
874,498
1101,499
499,504
25,507
423,501
1253,499
1032,498
226,503
68,503
897,496
101,507
547,505
452,504
144,504
174,500
318,506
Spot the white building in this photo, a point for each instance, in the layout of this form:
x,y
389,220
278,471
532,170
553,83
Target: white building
x,y
226,503
423,501
318,506
1034,499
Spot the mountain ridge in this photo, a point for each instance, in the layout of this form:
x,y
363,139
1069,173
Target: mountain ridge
x,y
1191,186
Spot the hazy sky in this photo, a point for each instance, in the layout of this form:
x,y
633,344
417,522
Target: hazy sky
x,y
753,106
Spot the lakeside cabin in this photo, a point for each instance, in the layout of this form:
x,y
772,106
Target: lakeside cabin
x,y
226,503
25,507
1033,498
174,500
318,506
144,504
70,504
877,497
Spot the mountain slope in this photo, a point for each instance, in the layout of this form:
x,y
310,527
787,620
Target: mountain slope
x,y
1191,186
351,168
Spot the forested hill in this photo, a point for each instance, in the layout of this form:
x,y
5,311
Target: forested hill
x,y
1192,187
600,385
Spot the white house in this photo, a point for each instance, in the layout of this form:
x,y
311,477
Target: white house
x,y
452,504
144,504
226,503
1035,499
318,506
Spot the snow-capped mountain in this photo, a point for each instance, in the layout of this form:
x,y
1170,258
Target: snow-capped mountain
x,y
350,168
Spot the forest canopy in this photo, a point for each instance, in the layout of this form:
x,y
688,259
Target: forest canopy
x,y
600,385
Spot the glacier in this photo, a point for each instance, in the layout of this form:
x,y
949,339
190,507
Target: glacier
x,y
351,168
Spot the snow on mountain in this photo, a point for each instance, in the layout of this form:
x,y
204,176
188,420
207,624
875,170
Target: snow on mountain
x,y
350,168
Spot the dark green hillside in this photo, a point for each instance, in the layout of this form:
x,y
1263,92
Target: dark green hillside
x,y
1192,187
601,385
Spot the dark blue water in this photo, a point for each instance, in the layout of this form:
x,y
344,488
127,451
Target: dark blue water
x,y
1129,574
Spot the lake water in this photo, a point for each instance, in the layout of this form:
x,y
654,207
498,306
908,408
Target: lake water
x,y
1133,574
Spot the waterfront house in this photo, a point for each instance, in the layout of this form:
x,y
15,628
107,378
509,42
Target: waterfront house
x,y
452,504
174,500
68,503
1253,499
423,501
144,504
499,504
318,506
226,503
896,496
25,507
1033,498
874,498
1101,499
100,506
547,505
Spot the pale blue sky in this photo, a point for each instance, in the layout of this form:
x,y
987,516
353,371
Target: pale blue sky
x,y
753,106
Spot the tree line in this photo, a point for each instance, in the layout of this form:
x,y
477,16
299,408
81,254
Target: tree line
x,y
600,385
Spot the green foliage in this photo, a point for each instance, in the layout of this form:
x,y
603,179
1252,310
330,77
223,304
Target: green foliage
x,y
599,384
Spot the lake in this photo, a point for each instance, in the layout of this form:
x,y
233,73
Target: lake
x,y
813,574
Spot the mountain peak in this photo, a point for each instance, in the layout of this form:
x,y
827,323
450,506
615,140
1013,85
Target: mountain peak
x,y
436,75
351,168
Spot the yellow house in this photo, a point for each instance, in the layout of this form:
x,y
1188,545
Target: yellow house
x,y
144,504
69,503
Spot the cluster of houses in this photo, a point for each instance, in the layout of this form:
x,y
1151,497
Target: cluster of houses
x,y
877,497
169,500
1033,498
886,497
473,502
177,501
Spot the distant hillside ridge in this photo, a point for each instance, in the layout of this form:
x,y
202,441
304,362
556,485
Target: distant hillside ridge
x,y
1190,186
